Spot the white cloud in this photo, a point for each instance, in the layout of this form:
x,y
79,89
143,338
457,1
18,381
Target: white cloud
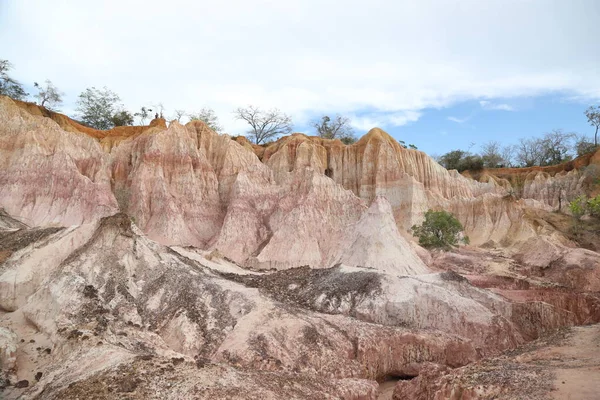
x,y
389,57
459,120
384,120
487,105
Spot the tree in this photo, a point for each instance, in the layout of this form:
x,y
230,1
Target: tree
x,y
338,128
582,205
508,155
410,146
593,116
584,146
440,229
578,206
551,149
491,154
265,125
452,159
97,107
529,152
461,161
208,116
9,86
144,113
49,96
160,108
593,206
556,146
179,114
122,118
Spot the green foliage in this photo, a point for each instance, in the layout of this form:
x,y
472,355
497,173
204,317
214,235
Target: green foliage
x,y
122,118
578,206
582,205
208,116
9,86
49,95
584,146
461,161
337,128
97,107
452,159
593,206
593,117
348,140
440,229
409,146
494,155
143,114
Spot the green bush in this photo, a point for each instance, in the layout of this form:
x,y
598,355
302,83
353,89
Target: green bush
x,y
440,229
461,161
578,206
593,206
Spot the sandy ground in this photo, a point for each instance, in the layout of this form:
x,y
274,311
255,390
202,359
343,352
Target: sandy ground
x,y
386,390
34,350
576,365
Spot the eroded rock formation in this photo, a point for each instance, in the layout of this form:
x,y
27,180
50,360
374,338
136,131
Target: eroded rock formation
x,y
168,261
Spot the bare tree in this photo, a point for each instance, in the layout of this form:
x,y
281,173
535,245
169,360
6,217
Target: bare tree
x,y
529,152
179,114
593,116
159,109
209,117
508,155
264,125
49,95
556,147
338,128
491,155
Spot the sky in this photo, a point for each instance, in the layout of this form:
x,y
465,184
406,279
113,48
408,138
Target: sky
x,y
440,74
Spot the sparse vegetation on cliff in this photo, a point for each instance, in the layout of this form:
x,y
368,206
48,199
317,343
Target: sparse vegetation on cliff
x,y
582,206
336,128
100,109
264,124
9,86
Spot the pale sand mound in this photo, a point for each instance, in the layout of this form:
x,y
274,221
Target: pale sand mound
x,y
376,243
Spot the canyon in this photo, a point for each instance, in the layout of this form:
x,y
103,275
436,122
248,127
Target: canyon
x,y
170,262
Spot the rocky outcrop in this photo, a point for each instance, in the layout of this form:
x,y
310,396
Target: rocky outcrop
x,y
553,187
186,185
106,283
563,365
166,183
172,262
107,298
8,357
49,176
